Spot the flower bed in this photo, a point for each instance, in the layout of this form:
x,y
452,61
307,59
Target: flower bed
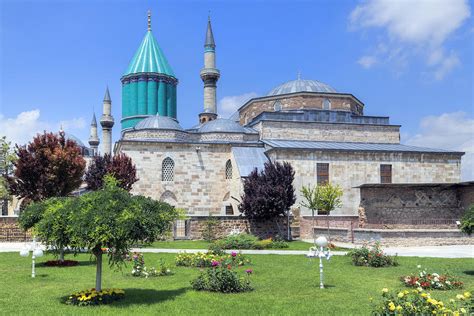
x,y
203,260
248,241
221,277
424,280
417,302
93,297
140,270
59,263
371,256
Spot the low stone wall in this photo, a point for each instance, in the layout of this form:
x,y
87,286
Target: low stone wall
x,y
321,221
227,224
11,232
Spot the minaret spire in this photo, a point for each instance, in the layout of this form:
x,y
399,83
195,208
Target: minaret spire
x,y
94,138
209,75
149,20
107,122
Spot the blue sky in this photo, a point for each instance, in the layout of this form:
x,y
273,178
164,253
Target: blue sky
x,y
408,60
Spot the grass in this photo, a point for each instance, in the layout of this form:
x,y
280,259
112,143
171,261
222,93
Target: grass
x,y
202,244
284,285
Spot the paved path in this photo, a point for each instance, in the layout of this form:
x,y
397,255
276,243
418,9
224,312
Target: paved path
x,y
455,251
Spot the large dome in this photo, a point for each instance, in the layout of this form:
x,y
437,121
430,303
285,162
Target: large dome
x,y
158,122
301,85
221,125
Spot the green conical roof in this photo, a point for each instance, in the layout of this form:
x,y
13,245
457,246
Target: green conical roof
x,y
149,58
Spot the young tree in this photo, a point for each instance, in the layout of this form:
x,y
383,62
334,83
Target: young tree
x,y
7,157
119,166
49,166
322,198
269,194
50,218
113,219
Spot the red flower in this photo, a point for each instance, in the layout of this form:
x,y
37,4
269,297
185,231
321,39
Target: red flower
x,y
229,266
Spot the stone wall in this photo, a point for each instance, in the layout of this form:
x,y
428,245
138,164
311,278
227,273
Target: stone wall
x,y
339,223
340,132
415,204
352,169
343,102
199,185
11,232
227,224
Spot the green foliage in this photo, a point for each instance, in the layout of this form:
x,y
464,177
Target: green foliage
x,y
209,233
371,256
222,279
467,221
247,241
322,198
202,260
94,297
7,158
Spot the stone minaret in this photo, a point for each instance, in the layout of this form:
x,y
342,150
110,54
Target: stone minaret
x,y
107,122
209,75
94,138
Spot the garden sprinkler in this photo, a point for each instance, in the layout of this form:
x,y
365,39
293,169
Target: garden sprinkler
x,y
318,251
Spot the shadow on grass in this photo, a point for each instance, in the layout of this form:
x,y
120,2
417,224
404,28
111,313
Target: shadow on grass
x,y
469,272
80,264
148,296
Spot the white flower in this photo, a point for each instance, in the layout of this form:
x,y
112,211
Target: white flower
x,y
448,282
418,266
435,274
436,279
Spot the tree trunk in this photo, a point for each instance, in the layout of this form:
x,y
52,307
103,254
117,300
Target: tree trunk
x,y
61,254
98,271
327,222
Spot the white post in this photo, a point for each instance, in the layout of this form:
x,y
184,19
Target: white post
x,y
321,285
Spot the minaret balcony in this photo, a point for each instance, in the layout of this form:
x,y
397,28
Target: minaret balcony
x,y
210,73
107,121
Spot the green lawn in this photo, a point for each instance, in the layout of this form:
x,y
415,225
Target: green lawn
x,y
284,285
201,244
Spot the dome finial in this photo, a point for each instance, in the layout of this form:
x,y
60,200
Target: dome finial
x,y
298,75
149,20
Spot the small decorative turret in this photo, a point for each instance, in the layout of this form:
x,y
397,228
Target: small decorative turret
x,y
107,122
94,138
209,75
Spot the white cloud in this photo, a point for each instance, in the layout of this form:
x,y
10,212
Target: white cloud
x,y
22,128
228,105
367,61
419,28
452,131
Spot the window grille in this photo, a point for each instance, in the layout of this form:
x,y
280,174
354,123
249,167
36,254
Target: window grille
x,y
322,173
229,210
385,173
228,169
167,169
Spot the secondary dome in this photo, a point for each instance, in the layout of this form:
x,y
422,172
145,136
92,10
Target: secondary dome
x,y
301,85
158,122
223,126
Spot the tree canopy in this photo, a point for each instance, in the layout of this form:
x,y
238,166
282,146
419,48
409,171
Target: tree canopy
x,y
49,166
270,192
119,166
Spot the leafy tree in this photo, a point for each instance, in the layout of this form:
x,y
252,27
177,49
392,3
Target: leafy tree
x,y
49,218
467,221
49,166
7,157
111,220
119,166
322,198
270,193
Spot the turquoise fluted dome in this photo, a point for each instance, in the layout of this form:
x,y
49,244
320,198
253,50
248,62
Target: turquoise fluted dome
x,y
149,58
148,85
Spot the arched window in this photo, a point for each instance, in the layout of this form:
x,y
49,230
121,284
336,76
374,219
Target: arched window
x,y
326,104
228,169
277,106
167,169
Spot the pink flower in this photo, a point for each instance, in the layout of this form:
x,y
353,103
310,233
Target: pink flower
x,y
234,254
249,271
214,263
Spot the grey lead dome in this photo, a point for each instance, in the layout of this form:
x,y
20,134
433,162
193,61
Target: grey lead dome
x,y
301,85
225,126
158,122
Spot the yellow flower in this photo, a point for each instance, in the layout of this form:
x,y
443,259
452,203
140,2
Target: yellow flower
x,y
467,294
456,313
452,301
460,297
384,290
463,310
399,308
400,295
405,292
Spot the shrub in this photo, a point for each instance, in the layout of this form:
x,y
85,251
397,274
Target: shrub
x,y
209,233
426,280
202,260
467,221
93,297
371,256
140,270
247,241
221,278
417,302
